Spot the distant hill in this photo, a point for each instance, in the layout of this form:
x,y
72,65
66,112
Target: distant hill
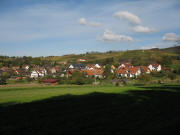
x,y
135,56
166,56
175,49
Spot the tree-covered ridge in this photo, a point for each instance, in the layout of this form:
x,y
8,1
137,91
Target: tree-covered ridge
x,y
168,56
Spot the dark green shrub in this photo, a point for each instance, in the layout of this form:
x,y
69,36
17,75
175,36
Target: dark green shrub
x,y
28,79
145,77
171,76
2,81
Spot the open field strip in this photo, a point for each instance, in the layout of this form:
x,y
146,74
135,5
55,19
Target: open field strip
x,y
27,94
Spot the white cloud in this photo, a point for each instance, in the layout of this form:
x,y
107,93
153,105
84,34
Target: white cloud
x,y
171,37
83,21
129,16
143,29
109,36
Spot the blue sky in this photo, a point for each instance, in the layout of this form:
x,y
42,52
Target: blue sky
x,y
58,27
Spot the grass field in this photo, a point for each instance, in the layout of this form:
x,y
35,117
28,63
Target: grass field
x,y
14,95
93,110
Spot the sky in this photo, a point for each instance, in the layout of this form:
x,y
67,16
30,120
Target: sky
x,y
59,27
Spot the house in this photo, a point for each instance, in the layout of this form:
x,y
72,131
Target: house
x,y
122,73
129,72
26,67
52,70
92,67
77,66
97,66
15,67
95,73
42,73
113,68
6,69
34,74
38,73
145,69
57,69
126,65
69,73
21,72
81,60
134,72
154,67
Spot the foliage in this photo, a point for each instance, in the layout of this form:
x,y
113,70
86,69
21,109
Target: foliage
x,y
77,78
2,81
176,69
166,60
159,74
80,78
171,75
136,57
28,79
107,72
145,77
5,75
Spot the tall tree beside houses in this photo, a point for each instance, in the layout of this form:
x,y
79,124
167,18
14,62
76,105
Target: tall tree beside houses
x,y
108,71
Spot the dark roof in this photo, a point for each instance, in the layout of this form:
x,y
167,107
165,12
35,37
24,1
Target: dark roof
x,y
79,66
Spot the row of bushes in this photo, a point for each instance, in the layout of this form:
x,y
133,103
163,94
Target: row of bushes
x,y
76,78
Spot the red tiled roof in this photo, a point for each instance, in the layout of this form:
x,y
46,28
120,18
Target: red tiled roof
x,y
133,70
95,72
155,65
146,69
121,71
126,65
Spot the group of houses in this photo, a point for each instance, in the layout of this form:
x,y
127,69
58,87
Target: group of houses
x,y
32,71
126,70
89,69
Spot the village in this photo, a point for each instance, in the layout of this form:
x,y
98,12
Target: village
x,y
123,70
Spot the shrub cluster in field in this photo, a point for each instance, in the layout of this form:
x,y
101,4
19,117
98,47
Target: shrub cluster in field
x,y
77,78
159,77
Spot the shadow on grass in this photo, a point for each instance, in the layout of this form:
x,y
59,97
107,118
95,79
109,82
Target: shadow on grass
x,y
149,112
164,87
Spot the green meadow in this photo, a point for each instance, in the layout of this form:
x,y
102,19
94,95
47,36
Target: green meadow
x,y
15,95
97,110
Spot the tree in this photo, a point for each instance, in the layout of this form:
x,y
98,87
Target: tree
x,y
166,60
107,72
78,78
2,81
145,77
29,79
171,75
5,75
